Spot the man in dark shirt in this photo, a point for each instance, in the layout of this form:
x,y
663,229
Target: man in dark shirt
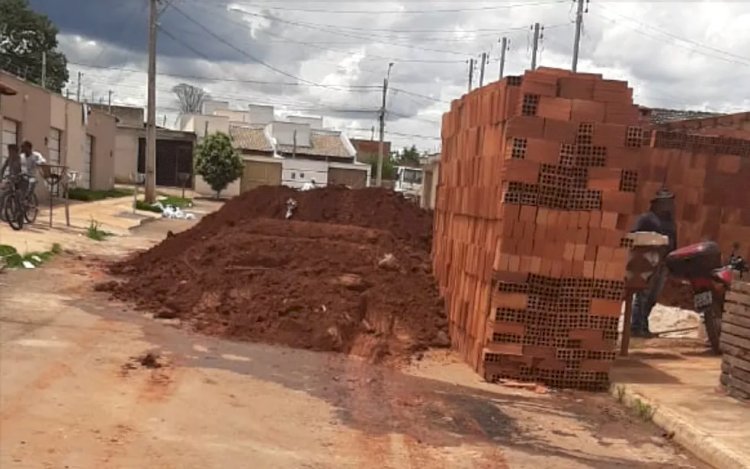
x,y
659,219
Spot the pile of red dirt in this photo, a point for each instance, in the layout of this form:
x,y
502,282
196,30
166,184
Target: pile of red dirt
x,y
350,272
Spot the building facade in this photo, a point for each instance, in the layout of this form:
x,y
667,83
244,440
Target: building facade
x,y
66,132
290,152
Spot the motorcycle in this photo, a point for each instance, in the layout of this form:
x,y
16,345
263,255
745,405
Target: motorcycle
x,y
700,266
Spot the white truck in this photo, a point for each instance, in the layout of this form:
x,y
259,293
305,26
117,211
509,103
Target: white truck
x,y
409,182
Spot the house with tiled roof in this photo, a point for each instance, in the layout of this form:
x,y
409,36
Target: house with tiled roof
x,y
292,151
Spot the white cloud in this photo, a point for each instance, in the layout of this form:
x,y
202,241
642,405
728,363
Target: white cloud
x,y
675,54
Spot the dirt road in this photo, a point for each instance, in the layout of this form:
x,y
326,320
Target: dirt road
x,y
74,395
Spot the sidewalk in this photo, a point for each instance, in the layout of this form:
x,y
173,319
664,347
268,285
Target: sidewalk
x,y
113,215
679,382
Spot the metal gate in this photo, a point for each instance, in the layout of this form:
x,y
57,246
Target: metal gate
x,y
260,173
85,177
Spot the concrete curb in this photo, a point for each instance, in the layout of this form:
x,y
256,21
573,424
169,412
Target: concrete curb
x,y
703,445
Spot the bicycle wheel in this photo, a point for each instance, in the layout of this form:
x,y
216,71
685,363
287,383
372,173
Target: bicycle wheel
x,y
2,207
13,212
31,208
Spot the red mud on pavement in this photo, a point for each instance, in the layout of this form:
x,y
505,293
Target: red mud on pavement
x,y
311,282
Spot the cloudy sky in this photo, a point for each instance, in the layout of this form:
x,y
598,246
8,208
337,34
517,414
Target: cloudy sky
x,y
329,57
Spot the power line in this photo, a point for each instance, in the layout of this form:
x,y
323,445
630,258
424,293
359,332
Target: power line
x,y
229,80
680,38
406,12
423,96
243,52
400,134
743,60
327,28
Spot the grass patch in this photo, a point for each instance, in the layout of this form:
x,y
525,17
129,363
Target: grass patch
x,y
620,393
141,205
11,258
177,202
88,195
95,232
643,410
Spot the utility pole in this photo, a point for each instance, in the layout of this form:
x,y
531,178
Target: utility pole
x,y
150,194
44,70
503,48
78,94
109,101
381,145
471,73
577,43
536,46
481,69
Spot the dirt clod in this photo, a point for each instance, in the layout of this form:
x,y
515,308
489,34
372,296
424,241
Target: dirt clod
x,y
149,360
312,282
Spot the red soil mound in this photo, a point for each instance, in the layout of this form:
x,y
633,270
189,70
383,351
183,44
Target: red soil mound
x,y
248,273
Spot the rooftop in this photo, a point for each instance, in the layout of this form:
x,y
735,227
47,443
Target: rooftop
x,y
658,116
250,137
323,142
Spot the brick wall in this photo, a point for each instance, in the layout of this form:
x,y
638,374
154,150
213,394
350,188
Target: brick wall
x,y
541,177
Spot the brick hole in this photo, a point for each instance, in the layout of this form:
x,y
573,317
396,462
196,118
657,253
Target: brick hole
x,y
629,181
519,148
530,104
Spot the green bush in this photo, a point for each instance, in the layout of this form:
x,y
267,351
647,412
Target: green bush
x,y
145,206
88,195
218,162
11,258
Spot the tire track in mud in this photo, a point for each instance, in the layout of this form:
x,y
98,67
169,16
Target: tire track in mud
x,y
396,426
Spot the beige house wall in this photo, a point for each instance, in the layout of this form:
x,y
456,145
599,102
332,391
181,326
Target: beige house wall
x,y
126,154
37,110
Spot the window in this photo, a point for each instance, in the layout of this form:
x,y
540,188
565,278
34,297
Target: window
x,y
302,175
412,176
294,175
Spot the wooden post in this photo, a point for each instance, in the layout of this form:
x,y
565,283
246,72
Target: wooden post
x,y
627,322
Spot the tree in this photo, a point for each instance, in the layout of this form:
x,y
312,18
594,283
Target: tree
x,y
24,37
408,157
218,162
389,172
190,98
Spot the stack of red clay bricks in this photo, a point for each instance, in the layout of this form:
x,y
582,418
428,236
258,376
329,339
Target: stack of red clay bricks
x,y
537,185
709,176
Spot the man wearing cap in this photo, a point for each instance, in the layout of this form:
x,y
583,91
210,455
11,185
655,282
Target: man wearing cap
x,y
659,219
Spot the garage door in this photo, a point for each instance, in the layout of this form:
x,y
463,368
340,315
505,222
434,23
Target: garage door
x,y
53,146
260,173
353,178
9,137
85,177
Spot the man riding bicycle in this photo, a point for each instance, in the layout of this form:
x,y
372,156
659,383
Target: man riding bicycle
x,y
30,159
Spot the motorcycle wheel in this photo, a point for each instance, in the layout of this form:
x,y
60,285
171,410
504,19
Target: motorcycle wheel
x,y
712,319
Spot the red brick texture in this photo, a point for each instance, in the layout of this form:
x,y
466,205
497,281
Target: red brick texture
x,y
541,176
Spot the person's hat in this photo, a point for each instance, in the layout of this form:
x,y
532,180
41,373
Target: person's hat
x,y
662,194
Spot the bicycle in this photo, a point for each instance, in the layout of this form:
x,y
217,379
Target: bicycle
x,y
15,208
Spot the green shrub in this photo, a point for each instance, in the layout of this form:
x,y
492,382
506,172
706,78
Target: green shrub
x,y
11,258
95,232
141,205
88,195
